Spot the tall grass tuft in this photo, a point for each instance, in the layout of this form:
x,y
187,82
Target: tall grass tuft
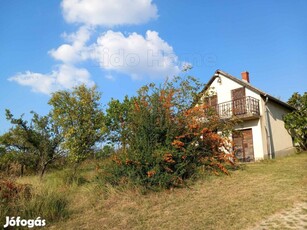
x,y
51,206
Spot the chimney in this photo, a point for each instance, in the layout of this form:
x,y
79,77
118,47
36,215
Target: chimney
x,y
245,76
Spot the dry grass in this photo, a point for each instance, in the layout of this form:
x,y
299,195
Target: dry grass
x,y
238,201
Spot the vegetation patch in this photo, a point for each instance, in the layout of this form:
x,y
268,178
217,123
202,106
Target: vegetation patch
x,y
25,200
246,197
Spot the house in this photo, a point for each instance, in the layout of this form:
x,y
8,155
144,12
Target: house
x,y
261,133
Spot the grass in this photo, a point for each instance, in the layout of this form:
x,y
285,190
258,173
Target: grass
x,y
238,201
44,200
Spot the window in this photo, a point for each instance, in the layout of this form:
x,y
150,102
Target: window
x,y
211,101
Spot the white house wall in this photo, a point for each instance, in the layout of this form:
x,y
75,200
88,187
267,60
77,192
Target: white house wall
x,y
223,89
264,129
281,140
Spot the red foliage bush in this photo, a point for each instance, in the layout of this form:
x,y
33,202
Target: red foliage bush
x,y
10,191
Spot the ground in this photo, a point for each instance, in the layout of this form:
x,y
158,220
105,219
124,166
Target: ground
x,y
270,194
292,218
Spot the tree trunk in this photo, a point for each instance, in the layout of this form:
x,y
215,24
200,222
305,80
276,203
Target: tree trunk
x,y
8,169
43,170
21,170
75,169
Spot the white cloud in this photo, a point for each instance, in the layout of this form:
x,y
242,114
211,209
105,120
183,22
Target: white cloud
x,y
65,77
76,51
108,12
70,76
39,82
110,77
135,55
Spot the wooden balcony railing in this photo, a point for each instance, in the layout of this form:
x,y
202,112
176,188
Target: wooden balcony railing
x,y
245,107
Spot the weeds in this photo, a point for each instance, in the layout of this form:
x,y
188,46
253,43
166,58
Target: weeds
x,y
29,202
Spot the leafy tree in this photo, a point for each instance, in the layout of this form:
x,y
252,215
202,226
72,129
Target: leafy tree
x,y
6,159
296,121
35,144
117,120
50,140
78,115
17,152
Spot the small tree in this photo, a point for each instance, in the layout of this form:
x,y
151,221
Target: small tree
x,y
78,115
117,120
296,122
36,142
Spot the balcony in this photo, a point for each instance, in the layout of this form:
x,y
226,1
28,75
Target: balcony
x,y
245,108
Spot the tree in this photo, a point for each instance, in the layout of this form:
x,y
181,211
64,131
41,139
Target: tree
x,y
50,140
15,151
80,119
296,121
117,120
35,143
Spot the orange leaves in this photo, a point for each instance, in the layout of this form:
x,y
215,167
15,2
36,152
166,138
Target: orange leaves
x,y
177,144
136,106
129,162
151,173
116,160
181,136
194,126
201,141
166,97
196,111
168,158
215,138
205,130
222,168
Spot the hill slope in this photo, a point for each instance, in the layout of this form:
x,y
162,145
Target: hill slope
x,y
239,201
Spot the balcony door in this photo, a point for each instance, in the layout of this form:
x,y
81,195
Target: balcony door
x,y
238,101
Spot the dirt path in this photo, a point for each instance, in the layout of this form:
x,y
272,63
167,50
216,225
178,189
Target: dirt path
x,y
293,218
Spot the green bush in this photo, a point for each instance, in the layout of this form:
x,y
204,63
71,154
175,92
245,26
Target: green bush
x,y
168,141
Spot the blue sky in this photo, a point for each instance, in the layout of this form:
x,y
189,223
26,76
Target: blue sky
x,y
120,46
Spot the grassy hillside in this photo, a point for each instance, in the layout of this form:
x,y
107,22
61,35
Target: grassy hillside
x,y
238,201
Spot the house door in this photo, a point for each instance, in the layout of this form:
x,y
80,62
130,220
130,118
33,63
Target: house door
x,y
238,101
243,145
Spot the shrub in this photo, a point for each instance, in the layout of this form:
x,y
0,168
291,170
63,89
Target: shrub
x,y
168,140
